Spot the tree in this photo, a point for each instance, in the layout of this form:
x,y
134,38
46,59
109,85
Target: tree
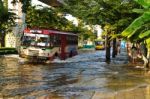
x,y
6,21
25,4
139,29
115,13
47,18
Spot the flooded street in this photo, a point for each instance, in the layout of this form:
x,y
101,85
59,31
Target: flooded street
x,y
85,76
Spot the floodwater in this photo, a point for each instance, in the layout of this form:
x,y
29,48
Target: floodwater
x,y
85,76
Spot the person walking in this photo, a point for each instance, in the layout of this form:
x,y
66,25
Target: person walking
x,y
118,46
134,53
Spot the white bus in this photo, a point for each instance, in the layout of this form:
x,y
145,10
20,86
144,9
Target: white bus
x,y
48,44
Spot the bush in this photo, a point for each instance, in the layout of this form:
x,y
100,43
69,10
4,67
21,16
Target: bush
x,y
6,51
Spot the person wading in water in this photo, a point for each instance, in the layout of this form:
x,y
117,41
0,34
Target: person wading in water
x,y
134,53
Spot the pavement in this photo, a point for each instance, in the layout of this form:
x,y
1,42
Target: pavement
x,y
142,92
121,58
138,92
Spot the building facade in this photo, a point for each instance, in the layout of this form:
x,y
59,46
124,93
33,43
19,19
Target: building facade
x,y
11,37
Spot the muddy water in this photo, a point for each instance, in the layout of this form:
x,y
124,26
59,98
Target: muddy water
x,y
85,76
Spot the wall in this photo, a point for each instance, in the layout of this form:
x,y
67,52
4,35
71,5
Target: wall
x,y
10,40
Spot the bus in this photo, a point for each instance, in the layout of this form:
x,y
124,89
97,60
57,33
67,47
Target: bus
x,y
99,44
48,44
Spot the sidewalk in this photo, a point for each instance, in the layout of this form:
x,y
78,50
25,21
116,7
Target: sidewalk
x,y
84,50
140,92
122,57
137,92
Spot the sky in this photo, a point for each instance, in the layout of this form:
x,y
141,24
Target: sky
x,y
71,18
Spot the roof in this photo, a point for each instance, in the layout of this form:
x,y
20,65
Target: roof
x,y
47,32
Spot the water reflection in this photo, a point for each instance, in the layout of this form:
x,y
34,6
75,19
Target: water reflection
x,y
85,76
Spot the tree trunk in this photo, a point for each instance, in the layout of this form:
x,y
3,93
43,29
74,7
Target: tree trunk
x,y
146,62
114,52
145,55
3,40
148,57
107,48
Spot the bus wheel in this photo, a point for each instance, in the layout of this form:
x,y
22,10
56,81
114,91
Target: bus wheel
x,y
56,55
20,55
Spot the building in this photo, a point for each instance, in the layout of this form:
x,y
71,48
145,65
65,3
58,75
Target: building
x,y
98,31
11,37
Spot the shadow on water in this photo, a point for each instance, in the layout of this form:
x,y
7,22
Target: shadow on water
x,y
85,76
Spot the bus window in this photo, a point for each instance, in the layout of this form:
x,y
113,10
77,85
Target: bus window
x,y
55,40
43,41
72,40
99,45
28,40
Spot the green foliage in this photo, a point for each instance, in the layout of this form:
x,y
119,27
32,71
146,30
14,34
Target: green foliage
x,y
47,18
136,24
144,3
139,29
6,51
25,4
148,42
118,13
6,17
145,34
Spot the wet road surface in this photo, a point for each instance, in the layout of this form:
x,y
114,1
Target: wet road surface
x,y
85,76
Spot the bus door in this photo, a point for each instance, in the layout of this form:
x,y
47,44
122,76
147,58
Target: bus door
x,y
63,47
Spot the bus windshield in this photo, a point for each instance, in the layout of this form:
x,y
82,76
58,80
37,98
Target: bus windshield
x,y
99,42
42,41
39,40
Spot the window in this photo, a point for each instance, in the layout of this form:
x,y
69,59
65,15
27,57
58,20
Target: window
x,y
55,40
72,40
